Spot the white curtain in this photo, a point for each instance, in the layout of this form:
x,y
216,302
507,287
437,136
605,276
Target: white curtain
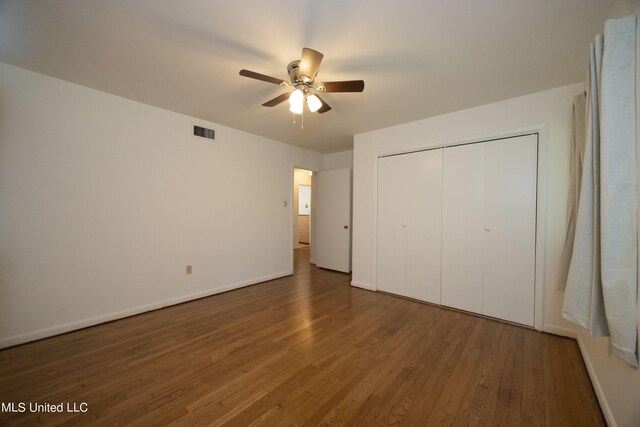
x,y
602,282
575,174
583,301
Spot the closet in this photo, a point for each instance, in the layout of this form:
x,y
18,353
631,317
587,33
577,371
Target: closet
x,y
457,227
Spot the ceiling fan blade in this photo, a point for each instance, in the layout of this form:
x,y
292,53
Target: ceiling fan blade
x,y
325,107
345,86
309,63
258,76
277,100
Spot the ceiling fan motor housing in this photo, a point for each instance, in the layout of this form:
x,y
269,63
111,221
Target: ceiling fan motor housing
x,y
294,72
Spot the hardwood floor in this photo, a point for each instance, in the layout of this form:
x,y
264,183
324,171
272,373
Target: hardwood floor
x,y
302,350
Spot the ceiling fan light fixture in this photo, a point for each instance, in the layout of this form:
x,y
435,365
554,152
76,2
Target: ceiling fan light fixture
x,y
314,103
302,74
296,101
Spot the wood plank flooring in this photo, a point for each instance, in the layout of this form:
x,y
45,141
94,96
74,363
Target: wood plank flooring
x,y
302,350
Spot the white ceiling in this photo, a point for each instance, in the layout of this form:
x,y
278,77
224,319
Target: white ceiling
x,y
418,58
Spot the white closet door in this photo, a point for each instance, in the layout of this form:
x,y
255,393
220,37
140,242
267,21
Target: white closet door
x,y
392,237
462,226
409,225
510,229
424,209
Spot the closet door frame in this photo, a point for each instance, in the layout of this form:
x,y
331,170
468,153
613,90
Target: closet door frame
x,y
542,134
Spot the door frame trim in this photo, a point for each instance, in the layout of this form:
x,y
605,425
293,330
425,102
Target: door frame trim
x,y
291,219
542,164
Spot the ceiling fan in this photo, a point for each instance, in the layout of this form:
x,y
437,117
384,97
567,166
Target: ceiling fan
x,y
302,74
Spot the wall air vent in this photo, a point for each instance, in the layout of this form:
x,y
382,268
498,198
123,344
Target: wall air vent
x,y
204,132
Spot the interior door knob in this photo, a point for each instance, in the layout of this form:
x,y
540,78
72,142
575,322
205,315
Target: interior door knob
x,y
346,226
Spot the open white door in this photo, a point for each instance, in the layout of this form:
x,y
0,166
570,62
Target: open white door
x,y
333,219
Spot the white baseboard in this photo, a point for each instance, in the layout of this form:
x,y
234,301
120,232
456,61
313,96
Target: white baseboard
x,y
556,330
602,399
72,326
361,285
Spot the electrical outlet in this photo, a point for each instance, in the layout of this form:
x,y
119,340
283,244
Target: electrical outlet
x,y
189,269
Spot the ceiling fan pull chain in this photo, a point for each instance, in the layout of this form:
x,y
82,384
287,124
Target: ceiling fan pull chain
x,y
302,120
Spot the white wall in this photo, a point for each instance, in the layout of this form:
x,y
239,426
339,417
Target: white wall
x,y
343,159
104,201
623,8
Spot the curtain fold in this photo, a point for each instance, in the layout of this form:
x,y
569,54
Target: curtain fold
x,y
601,285
575,174
583,300
618,206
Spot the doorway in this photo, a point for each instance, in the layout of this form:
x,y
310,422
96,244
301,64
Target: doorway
x,y
301,209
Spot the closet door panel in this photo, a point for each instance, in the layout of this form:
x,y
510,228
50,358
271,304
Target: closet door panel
x,y
392,241
462,226
424,210
510,229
